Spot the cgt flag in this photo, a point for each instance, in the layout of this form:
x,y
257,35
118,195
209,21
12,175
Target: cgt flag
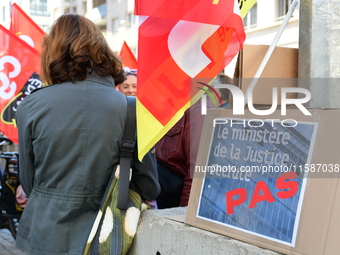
x,y
177,42
191,10
24,27
19,65
128,58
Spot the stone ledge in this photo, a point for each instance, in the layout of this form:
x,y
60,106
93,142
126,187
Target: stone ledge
x,y
158,235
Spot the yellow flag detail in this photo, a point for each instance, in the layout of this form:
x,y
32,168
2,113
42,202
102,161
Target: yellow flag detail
x,y
146,119
245,6
154,127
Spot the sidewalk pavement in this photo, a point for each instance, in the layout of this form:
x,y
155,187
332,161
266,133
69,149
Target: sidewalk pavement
x,y
7,244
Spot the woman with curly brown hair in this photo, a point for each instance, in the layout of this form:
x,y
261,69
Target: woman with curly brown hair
x,y
69,137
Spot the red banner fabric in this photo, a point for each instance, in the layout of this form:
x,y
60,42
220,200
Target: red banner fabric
x,y
179,41
25,28
204,11
19,65
127,56
172,52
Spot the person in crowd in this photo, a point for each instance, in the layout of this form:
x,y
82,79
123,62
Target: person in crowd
x,y
129,86
176,155
69,139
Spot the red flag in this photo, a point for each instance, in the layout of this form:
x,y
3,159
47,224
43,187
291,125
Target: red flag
x,y
24,27
208,12
189,43
19,65
127,56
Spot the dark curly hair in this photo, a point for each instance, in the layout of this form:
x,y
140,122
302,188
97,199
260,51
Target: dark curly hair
x,y
74,45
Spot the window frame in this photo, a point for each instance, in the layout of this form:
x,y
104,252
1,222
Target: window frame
x,y
282,8
115,25
39,8
249,21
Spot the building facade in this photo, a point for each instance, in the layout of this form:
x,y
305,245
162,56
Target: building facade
x,y
264,19
38,10
114,17
117,20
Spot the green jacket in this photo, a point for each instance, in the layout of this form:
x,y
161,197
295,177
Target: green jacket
x,y
69,137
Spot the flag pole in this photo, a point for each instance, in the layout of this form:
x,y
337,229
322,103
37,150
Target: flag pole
x,y
271,48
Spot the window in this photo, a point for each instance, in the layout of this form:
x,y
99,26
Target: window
x,y
134,51
132,19
283,7
84,6
56,12
4,13
44,27
10,8
115,25
250,20
96,3
39,8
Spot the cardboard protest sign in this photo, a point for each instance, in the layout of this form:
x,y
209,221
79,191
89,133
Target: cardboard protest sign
x,y
269,182
281,71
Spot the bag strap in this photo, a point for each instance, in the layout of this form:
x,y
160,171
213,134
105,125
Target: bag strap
x,y
127,147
